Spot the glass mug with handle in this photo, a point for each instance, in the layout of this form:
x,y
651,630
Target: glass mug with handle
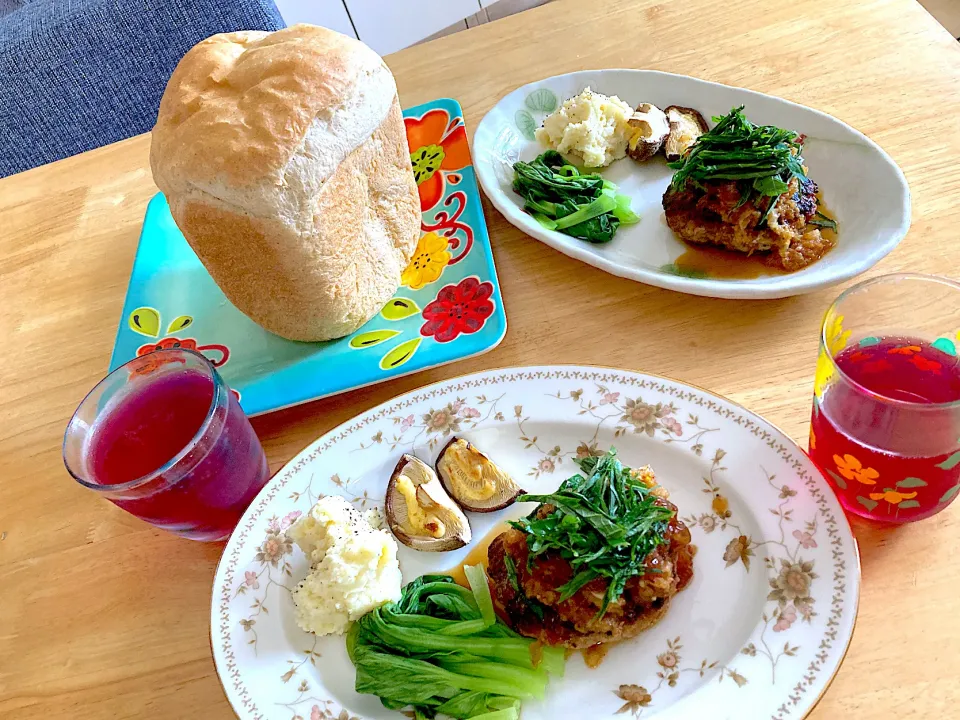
x,y
164,438
885,428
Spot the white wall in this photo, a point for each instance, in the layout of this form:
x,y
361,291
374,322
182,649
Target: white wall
x,y
328,13
391,25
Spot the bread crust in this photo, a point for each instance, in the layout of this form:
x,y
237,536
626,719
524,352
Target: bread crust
x,y
284,160
327,282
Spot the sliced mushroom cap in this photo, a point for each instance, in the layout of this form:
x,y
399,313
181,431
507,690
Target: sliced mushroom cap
x,y
686,125
420,513
473,479
649,129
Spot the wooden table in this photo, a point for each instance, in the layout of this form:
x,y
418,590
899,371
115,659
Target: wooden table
x,y
104,617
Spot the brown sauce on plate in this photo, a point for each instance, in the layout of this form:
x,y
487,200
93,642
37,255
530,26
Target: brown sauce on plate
x,y
717,263
477,554
705,261
594,655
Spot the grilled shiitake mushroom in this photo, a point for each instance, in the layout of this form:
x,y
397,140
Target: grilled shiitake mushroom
x,y
419,511
650,129
686,125
473,479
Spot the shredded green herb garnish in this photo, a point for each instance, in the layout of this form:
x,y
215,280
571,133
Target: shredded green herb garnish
x,y
604,523
762,159
513,578
821,220
511,572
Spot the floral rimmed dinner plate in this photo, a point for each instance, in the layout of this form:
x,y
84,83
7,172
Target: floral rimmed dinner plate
x,y
758,635
448,307
853,172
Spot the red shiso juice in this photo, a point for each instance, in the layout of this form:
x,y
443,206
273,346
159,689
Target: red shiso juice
x,y
210,460
885,441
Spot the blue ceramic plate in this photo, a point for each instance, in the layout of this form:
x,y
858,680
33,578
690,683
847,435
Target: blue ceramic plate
x,y
448,307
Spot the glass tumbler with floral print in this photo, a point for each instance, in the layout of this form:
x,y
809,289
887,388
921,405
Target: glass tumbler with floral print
x,y
886,410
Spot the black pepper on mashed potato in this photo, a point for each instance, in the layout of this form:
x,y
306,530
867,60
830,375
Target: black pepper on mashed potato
x,y
590,126
353,566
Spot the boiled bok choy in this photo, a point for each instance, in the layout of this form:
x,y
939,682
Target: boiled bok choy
x,y
441,651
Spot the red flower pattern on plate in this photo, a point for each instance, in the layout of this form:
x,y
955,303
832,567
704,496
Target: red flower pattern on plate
x,y
151,358
169,343
458,309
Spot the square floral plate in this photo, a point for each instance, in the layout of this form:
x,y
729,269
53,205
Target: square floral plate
x,y
757,635
448,307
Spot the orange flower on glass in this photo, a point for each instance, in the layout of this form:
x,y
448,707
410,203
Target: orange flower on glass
x,y
892,496
921,363
904,350
437,144
852,469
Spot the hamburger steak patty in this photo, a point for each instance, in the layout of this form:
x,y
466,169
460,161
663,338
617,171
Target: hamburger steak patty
x,y
529,601
710,215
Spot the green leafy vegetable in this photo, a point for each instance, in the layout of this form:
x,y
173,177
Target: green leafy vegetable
x,y
513,578
560,198
441,650
604,523
763,159
481,593
821,220
479,705
511,572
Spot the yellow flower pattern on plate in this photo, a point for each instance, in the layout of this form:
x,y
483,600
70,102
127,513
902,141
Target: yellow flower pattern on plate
x,y
852,469
429,260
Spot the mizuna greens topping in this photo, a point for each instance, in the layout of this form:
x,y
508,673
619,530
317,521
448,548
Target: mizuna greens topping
x,y
604,523
442,651
762,159
584,206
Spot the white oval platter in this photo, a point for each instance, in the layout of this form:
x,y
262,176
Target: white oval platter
x,y
758,634
860,184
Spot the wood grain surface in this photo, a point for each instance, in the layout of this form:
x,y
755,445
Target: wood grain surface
x,y
103,617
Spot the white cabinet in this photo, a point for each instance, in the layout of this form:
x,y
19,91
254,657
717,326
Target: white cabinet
x,y
391,25
496,9
328,13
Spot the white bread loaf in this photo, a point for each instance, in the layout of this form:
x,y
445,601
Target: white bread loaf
x,y
284,159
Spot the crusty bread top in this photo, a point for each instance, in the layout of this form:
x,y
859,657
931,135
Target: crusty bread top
x,y
245,111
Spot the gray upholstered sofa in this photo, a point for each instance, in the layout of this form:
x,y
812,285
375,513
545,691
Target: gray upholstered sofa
x,y
78,74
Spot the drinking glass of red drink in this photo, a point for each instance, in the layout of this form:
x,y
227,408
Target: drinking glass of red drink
x,y
886,409
164,438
